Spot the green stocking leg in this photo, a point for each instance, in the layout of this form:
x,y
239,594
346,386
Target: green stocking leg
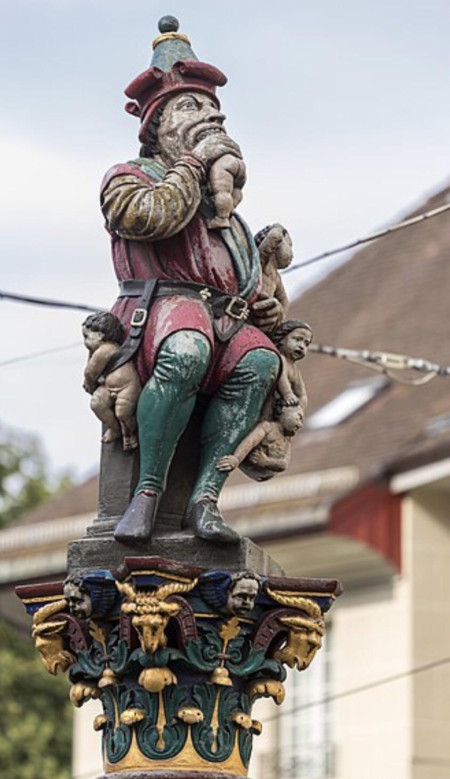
x,y
231,414
164,409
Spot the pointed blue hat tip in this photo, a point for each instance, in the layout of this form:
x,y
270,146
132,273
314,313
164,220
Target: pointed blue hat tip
x,y
168,24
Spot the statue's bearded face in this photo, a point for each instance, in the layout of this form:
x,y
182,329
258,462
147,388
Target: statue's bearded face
x,y
187,119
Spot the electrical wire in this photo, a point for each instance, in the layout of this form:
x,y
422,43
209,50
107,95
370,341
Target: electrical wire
x,y
32,355
378,361
360,241
352,245
386,362
362,688
381,362
46,302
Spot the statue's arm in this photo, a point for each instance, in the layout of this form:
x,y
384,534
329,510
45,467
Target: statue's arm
x,y
96,365
300,389
140,210
284,386
253,439
231,461
281,295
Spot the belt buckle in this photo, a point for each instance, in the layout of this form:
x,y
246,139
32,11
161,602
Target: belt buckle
x,y
241,313
139,317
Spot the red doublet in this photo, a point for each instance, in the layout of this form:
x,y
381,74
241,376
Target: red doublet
x,y
194,254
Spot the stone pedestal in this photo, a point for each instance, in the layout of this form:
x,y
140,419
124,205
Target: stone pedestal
x,y
95,552
118,478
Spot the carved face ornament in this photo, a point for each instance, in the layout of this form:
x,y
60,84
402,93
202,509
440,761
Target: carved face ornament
x,y
242,596
80,604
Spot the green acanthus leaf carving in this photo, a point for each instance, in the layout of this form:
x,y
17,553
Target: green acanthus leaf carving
x,y
119,655
116,735
159,659
214,737
254,662
161,734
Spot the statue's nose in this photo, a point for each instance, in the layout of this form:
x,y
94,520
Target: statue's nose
x,y
214,115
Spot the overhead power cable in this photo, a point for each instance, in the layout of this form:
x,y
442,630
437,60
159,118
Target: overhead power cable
x,y
360,241
46,302
352,245
382,362
362,688
386,362
31,356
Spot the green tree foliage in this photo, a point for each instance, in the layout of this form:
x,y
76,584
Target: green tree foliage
x,y
35,714
24,480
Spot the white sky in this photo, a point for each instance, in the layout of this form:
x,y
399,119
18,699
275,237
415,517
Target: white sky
x,y
341,110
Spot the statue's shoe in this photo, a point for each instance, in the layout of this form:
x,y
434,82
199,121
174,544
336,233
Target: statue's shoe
x,y
136,525
205,520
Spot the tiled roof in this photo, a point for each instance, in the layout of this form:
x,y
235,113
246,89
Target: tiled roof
x,y
78,500
393,296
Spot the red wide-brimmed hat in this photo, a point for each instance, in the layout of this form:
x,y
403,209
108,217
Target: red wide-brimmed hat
x,y
174,68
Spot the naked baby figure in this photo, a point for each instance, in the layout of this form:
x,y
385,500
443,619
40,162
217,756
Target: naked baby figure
x,y
115,393
293,339
226,178
275,253
266,450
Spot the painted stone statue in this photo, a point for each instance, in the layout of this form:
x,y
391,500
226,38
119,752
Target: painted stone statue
x,y
178,648
192,300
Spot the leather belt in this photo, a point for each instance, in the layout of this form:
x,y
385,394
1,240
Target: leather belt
x,y
220,304
146,290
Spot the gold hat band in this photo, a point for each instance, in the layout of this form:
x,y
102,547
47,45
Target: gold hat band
x,y
168,36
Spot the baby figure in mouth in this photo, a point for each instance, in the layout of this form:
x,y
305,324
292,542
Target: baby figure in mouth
x,y
226,177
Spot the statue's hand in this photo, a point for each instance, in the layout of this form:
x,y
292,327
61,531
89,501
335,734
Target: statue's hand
x,y
88,387
258,458
267,313
212,147
290,399
227,463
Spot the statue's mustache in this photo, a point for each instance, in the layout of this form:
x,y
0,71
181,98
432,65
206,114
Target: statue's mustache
x,y
201,128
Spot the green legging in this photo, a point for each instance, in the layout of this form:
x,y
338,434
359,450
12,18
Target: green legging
x,y
167,401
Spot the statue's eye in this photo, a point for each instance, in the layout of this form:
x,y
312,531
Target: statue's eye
x,y
188,105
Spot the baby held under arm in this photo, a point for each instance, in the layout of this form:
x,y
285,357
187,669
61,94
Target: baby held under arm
x,y
293,339
114,393
275,253
226,178
268,446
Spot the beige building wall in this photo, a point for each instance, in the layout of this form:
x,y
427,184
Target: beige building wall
x,y
87,760
429,510
372,635
265,745
372,631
